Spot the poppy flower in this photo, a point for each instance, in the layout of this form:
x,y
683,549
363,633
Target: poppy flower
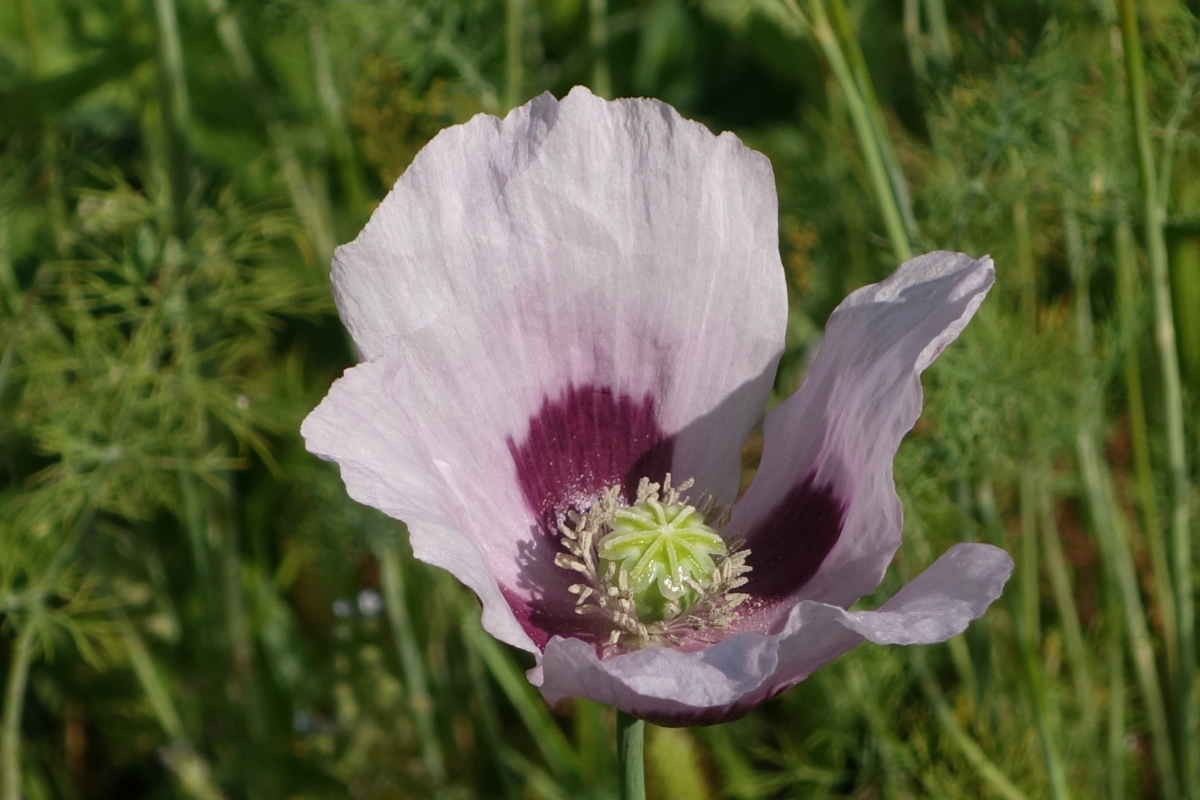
x,y
568,322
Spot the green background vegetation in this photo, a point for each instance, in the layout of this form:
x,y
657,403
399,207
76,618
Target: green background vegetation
x,y
193,608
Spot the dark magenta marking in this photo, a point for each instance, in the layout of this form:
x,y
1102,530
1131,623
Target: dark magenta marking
x,y
586,440
788,547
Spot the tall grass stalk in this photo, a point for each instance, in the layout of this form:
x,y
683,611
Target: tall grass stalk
x,y
173,109
939,32
1027,641
1078,657
913,39
1117,751
1079,268
349,168
1153,214
598,36
557,752
514,52
851,46
984,767
1128,310
14,704
191,771
391,576
1113,539
894,757
817,21
493,736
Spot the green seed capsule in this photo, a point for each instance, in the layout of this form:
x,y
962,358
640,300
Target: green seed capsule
x,y
665,550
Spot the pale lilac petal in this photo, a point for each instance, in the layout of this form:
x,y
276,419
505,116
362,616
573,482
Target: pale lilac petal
x,y
360,424
581,293
723,682
822,518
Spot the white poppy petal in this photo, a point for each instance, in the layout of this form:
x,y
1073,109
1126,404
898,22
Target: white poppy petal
x,y
724,681
580,294
822,518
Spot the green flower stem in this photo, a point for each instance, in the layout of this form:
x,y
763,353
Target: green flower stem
x,y
631,762
1164,336
392,578
14,703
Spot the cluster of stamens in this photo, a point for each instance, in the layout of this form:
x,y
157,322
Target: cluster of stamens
x,y
656,570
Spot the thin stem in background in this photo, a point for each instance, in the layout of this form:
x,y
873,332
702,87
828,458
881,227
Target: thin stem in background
x,y
391,577
1109,523
559,756
173,110
1164,337
1078,658
631,762
883,140
1130,324
912,39
191,771
1117,751
984,767
493,737
514,52
349,169
1060,580
242,688
316,227
1026,262
598,36
1027,643
1031,596
14,704
894,755
1127,308
939,32
591,737
818,22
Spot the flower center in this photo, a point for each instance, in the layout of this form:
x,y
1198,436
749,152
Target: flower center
x,y
656,569
667,551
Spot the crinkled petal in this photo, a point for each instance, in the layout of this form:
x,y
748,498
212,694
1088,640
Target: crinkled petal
x,y
723,682
822,518
584,292
383,466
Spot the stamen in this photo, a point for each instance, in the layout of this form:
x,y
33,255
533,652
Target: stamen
x,y
657,569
